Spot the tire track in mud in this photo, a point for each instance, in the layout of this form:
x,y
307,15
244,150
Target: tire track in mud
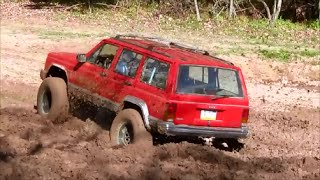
x,y
34,148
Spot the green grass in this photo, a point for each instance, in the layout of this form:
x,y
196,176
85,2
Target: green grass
x,y
310,53
236,50
285,55
314,25
255,30
279,54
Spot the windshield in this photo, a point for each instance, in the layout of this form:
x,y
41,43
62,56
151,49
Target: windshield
x,y
209,81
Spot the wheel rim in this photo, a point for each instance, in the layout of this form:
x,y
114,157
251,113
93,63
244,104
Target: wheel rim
x,y
46,101
125,134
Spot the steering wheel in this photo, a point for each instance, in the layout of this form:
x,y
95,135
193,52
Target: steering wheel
x,y
103,61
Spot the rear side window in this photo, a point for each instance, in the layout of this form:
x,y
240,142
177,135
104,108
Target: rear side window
x,y
155,73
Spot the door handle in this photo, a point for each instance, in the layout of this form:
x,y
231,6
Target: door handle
x,y
103,74
128,83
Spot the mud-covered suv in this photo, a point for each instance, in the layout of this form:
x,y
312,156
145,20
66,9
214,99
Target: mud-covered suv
x,y
154,87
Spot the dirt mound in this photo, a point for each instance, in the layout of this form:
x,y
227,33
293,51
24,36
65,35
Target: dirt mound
x,y
34,148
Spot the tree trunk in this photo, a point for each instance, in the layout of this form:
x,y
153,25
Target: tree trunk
x,y
89,5
231,8
276,11
319,9
197,10
279,4
274,8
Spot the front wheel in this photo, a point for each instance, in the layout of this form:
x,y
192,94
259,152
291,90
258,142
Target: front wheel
x,y
52,99
128,128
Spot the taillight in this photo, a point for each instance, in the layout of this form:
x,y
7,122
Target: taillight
x,y
245,116
170,113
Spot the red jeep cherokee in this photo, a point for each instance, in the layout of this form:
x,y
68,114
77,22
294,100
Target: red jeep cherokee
x,y
153,85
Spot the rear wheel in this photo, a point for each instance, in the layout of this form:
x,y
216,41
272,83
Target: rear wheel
x,y
128,128
52,99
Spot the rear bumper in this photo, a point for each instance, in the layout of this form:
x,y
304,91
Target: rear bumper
x,y
43,74
171,129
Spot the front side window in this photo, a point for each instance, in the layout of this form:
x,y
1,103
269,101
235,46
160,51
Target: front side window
x,y
209,81
155,73
128,63
104,55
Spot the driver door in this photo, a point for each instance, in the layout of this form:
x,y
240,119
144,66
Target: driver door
x,y
88,75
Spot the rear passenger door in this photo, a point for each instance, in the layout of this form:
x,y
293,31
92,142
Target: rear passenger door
x,y
121,79
153,85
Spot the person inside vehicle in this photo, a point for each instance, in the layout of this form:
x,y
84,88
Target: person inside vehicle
x,y
123,64
184,81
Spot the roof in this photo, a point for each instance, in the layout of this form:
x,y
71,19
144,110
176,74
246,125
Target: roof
x,y
178,52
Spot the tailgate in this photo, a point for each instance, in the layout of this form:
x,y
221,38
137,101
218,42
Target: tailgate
x,y
209,114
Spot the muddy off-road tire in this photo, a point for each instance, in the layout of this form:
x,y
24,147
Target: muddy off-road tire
x,y
52,100
128,128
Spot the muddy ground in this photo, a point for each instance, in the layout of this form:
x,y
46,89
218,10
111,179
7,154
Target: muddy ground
x,y
284,120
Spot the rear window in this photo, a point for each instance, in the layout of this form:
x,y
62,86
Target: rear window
x,y
209,81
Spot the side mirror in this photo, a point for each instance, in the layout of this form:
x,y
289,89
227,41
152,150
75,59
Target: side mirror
x,y
81,58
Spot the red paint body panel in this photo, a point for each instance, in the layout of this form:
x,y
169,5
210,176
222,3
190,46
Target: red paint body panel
x,y
113,86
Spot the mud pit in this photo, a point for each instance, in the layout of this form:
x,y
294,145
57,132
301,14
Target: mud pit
x,y
284,121
34,148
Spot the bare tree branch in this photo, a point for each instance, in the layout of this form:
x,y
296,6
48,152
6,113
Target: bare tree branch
x,y
73,6
108,5
220,12
267,8
257,10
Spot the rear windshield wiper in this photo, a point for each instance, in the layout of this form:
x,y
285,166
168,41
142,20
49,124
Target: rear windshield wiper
x,y
220,89
220,96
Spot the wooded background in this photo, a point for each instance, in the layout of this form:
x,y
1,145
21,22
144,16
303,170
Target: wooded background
x,y
294,10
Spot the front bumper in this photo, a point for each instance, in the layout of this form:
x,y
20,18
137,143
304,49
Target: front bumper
x,y
171,129
43,74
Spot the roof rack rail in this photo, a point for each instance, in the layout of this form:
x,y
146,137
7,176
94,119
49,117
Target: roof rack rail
x,y
189,48
222,60
133,36
171,44
150,47
164,41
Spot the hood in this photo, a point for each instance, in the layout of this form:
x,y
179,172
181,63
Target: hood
x,y
63,55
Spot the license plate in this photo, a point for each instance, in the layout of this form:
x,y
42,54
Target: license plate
x,y
208,115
